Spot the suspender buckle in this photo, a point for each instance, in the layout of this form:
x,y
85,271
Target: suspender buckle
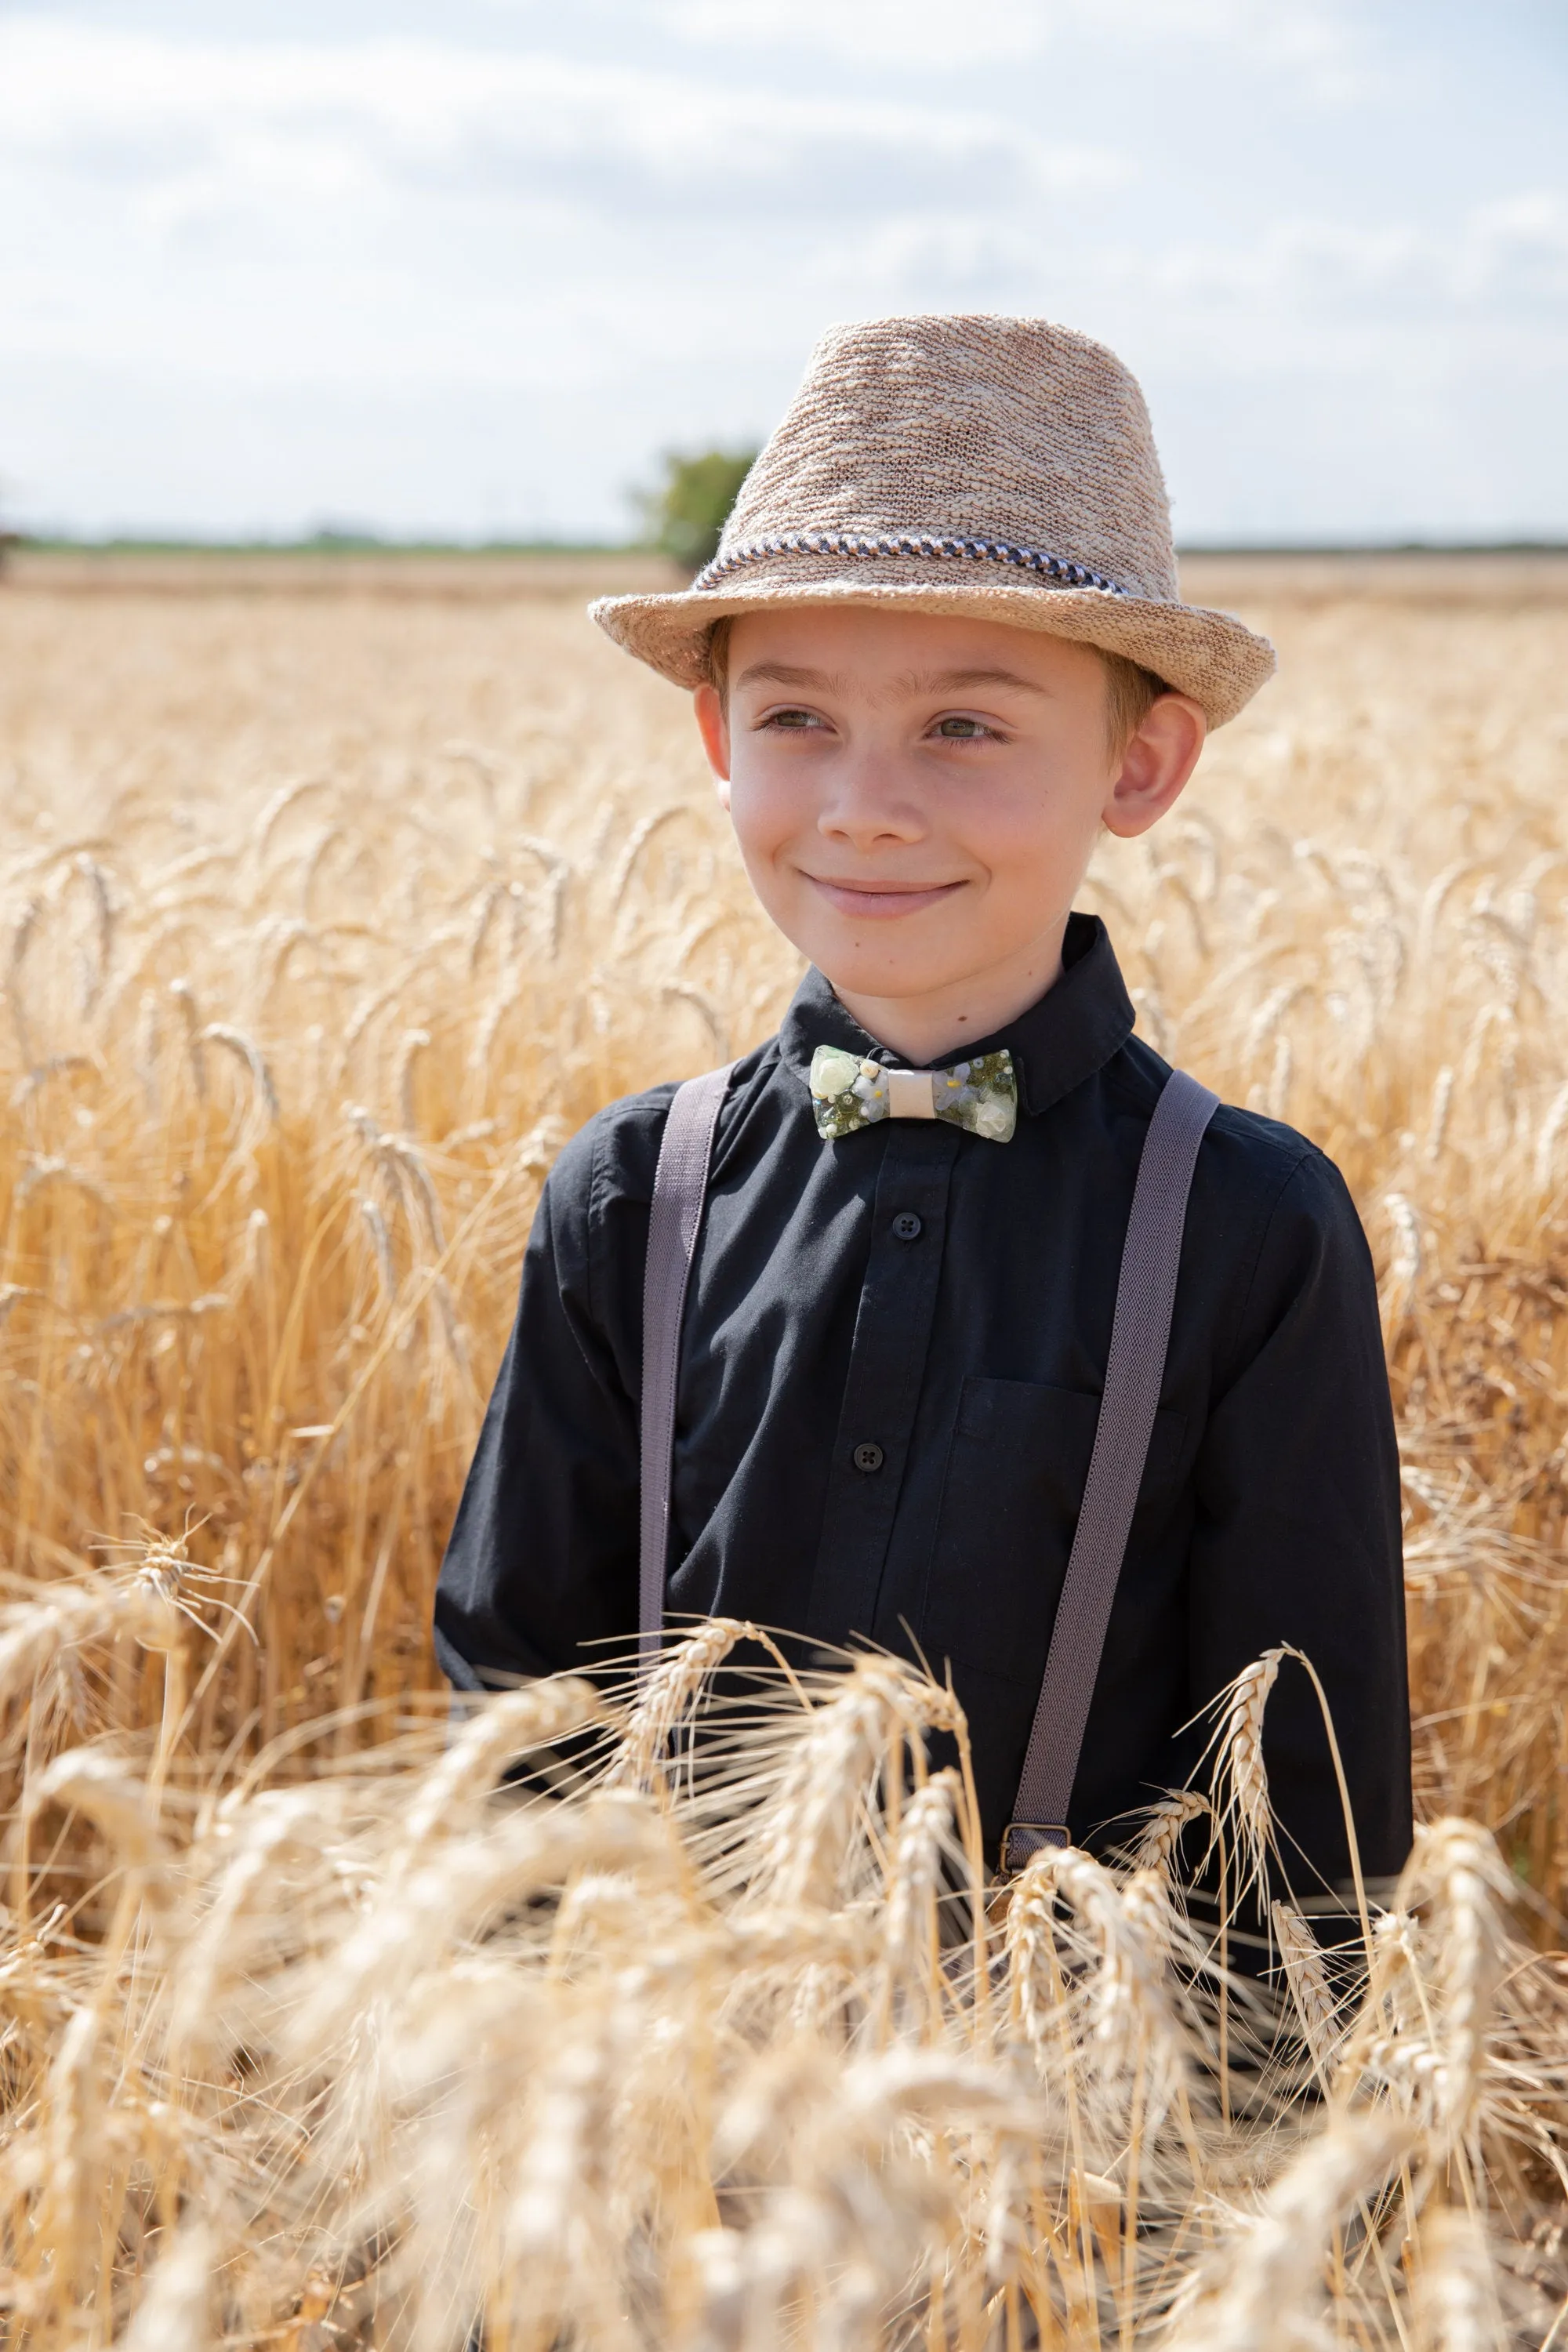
x,y
1021,1840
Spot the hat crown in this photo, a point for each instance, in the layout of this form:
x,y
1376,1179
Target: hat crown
x,y
961,467
971,428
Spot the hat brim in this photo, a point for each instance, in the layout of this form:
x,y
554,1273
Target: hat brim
x,y
1213,657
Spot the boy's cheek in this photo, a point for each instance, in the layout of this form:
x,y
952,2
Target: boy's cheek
x,y
772,873
1056,836
793,908
765,812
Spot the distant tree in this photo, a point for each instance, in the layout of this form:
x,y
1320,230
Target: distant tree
x,y
340,538
685,515
9,538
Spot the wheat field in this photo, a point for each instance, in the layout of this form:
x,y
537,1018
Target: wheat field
x,y
324,918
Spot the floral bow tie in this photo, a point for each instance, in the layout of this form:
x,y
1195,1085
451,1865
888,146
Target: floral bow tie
x,y
847,1092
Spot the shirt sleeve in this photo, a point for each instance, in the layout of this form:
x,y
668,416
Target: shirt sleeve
x,y
539,1573
1297,1535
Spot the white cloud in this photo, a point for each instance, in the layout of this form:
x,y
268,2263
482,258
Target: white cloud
x,y
896,34
1311,37
265,119
1515,253
294,212
1307,274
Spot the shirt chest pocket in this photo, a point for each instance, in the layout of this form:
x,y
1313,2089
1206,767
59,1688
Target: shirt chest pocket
x,y
1015,1471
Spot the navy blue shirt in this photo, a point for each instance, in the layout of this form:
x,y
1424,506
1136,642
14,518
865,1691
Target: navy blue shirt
x,y
940,1305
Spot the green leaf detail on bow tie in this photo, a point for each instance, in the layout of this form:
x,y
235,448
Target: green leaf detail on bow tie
x,y
981,1096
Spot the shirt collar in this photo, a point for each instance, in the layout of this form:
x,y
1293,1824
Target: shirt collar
x,y
1063,1038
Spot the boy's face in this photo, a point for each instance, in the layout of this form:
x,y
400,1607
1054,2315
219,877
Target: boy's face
x,y
916,800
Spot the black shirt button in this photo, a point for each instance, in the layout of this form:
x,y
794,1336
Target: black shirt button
x,y
907,1225
867,1457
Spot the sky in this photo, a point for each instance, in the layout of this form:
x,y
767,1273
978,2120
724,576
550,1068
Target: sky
x,y
465,269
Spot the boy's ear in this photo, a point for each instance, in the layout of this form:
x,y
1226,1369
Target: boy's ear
x,y
714,725
1159,756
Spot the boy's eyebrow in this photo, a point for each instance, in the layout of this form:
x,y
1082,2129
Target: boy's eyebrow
x,y
949,680
944,681
786,674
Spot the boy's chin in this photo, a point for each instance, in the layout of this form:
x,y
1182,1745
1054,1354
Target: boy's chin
x,y
873,961
891,981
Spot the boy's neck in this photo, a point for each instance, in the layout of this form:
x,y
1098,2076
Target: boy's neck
x,y
939,1025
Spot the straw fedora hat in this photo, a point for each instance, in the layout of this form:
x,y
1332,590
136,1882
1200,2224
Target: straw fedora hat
x,y
998,469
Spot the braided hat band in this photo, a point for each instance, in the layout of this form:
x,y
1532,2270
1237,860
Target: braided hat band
x,y
844,542
976,466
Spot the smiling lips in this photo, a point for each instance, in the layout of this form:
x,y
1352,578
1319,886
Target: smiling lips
x,y
881,900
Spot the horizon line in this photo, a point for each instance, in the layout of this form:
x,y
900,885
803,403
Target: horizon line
x,y
350,543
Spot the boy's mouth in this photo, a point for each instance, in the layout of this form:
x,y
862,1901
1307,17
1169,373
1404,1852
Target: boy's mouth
x,y
880,900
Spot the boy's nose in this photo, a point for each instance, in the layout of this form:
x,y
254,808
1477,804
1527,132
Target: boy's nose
x,y
867,801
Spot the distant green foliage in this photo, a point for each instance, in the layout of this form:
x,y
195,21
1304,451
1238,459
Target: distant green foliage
x,y
685,516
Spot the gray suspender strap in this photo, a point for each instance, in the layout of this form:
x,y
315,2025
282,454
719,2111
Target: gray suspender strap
x,y
680,1185
1139,1335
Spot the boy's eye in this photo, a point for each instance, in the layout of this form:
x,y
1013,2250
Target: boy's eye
x,y
955,729
792,722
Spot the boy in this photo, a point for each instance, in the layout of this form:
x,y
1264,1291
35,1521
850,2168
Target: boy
x,y
940,647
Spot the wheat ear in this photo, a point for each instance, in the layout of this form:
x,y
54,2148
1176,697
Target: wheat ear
x,y
1272,2269
174,2312
500,1729
674,1686
1310,1989
1459,1864
915,1872
1155,1847
1455,2291
1239,1768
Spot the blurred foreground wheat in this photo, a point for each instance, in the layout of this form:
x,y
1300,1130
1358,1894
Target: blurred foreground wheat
x,y
324,922
728,2050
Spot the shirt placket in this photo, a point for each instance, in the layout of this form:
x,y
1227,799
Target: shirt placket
x,y
887,1373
